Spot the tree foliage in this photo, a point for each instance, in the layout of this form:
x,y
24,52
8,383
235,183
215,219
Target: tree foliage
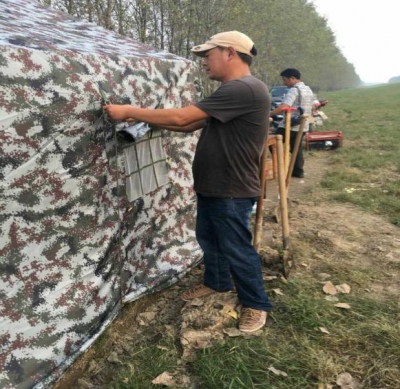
x,y
393,80
287,33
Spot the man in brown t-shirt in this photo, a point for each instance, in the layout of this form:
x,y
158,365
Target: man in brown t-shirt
x,y
225,169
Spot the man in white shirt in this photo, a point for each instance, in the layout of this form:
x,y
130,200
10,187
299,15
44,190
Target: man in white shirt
x,y
298,95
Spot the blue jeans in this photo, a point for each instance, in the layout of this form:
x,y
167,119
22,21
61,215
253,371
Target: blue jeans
x,y
223,233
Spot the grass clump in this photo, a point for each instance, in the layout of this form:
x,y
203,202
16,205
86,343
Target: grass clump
x,y
146,363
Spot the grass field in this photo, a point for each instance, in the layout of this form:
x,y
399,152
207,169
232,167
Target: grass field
x,y
366,171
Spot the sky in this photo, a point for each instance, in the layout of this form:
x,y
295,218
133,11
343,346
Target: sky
x,y
367,33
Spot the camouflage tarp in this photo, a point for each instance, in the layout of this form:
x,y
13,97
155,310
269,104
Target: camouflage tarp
x,y
72,245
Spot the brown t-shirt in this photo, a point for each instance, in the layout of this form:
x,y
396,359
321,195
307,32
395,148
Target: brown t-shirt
x,y
226,163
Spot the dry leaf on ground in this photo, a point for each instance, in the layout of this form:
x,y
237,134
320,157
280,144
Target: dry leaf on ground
x,y
164,379
324,276
113,358
343,305
196,303
230,312
331,298
329,288
232,332
278,291
346,381
269,278
343,288
324,330
277,372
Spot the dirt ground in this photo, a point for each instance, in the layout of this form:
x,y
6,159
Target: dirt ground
x,y
321,232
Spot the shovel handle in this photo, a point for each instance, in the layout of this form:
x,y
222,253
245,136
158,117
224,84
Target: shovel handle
x,y
295,150
288,116
282,193
258,225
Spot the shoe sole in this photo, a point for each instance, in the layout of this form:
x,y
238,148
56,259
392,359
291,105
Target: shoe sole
x,y
253,329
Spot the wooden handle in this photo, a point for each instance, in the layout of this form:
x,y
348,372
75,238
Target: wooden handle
x,y
258,225
295,151
287,139
282,192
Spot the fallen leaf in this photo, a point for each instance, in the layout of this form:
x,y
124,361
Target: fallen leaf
x,y
269,278
278,291
230,312
164,379
197,339
113,358
331,298
147,316
343,288
162,347
304,264
196,303
324,330
232,332
126,380
345,381
324,276
329,288
277,372
85,384
343,305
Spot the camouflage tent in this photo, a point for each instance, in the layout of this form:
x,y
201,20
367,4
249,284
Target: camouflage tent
x,y
89,220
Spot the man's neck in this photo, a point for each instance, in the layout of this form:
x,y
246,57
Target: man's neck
x,y
237,74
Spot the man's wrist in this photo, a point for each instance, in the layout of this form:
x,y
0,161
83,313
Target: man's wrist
x,y
128,111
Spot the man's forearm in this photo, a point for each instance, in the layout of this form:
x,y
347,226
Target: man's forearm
x,y
175,118
189,128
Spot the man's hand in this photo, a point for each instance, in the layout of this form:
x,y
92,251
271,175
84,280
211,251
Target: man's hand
x,y
278,110
117,112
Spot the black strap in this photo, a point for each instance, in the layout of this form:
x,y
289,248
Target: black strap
x,y
301,97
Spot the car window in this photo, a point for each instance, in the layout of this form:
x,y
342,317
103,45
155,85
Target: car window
x,y
279,91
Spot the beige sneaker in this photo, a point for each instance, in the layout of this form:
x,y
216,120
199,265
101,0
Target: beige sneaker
x,y
252,319
197,292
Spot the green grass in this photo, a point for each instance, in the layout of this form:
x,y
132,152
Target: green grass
x,y
146,363
363,341
369,162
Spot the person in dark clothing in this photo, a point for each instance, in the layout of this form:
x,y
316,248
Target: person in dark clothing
x,y
225,169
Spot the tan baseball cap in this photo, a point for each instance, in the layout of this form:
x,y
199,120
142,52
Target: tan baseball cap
x,y
240,42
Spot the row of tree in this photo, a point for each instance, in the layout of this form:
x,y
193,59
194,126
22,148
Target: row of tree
x,y
287,33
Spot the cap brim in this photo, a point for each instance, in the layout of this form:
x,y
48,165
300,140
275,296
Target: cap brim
x,y
200,50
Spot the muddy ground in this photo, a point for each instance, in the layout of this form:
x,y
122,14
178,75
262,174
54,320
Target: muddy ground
x,y
320,232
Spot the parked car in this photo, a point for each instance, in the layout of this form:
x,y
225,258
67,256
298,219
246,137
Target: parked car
x,y
277,95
